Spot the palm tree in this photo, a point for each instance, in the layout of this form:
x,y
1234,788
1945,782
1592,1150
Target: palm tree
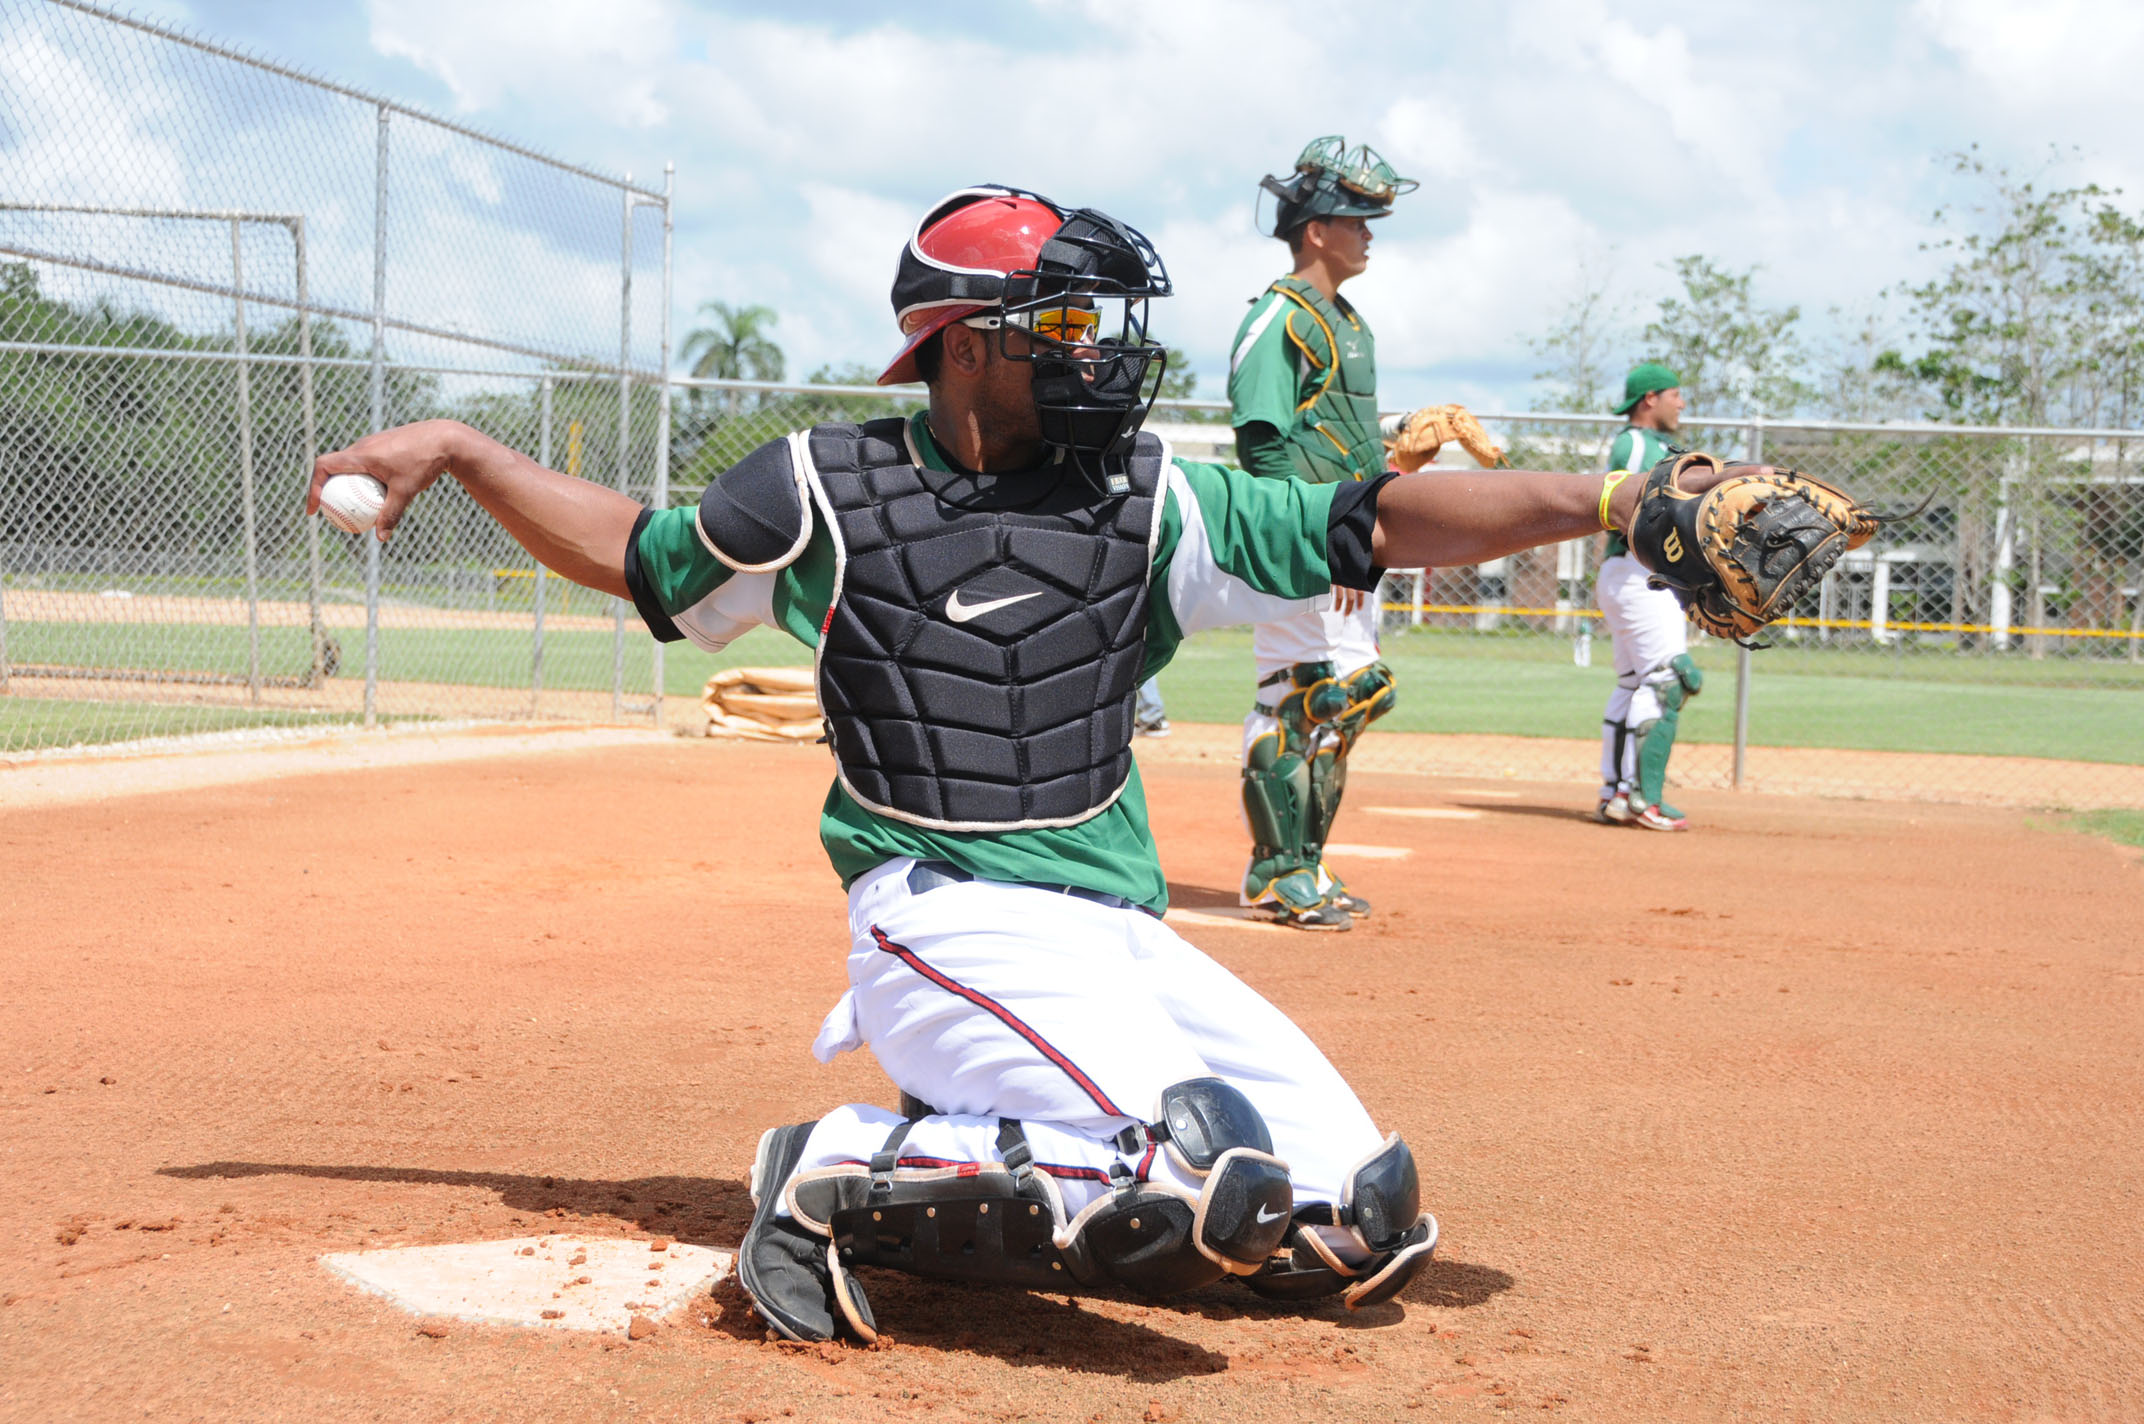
x,y
734,346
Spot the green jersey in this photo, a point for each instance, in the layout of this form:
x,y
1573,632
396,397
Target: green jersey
x,y
1306,365
1636,449
1231,549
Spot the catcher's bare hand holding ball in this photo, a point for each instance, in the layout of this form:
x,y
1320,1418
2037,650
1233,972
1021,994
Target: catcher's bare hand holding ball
x,y
574,527
406,459
1739,544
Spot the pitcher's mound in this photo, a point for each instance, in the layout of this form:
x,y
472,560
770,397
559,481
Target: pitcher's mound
x,y
569,1282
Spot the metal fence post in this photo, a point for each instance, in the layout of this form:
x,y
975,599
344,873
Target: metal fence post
x,y
659,498
543,458
1753,451
379,414
245,465
310,434
625,429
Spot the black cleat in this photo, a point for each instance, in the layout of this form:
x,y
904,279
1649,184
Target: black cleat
x,y
788,1272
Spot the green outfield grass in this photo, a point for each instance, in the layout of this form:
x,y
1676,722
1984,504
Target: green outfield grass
x,y
2126,827
28,722
1527,686
1524,685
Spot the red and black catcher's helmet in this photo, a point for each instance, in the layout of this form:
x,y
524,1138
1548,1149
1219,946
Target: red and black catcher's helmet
x,y
1076,280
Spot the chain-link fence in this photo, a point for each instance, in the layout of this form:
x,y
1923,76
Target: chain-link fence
x,y
1987,648
213,267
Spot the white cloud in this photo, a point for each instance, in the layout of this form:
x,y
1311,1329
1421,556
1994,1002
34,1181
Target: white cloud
x,y
1801,139
2057,53
595,56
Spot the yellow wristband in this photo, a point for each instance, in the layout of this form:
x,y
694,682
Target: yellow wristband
x,y
1608,484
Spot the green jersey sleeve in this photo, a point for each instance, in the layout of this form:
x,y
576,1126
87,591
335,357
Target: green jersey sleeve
x,y
1238,549
676,581
1262,377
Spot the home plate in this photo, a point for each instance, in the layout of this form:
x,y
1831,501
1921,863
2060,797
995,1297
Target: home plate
x,y
1240,920
1357,852
570,1282
1426,813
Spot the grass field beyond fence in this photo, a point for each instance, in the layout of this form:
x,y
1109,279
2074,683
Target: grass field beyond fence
x,y
1448,682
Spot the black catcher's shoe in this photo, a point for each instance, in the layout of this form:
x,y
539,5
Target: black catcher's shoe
x,y
791,1274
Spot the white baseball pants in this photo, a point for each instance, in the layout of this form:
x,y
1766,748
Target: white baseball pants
x,y
989,1000
1648,627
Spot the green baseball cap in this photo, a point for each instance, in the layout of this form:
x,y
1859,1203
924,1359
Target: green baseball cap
x,y
1642,382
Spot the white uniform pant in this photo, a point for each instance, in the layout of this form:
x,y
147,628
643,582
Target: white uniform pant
x,y
989,1000
1346,640
1648,629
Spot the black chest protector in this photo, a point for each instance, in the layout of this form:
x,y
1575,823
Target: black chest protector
x,y
978,663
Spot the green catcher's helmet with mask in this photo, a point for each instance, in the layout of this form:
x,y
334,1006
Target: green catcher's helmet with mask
x,y
1332,180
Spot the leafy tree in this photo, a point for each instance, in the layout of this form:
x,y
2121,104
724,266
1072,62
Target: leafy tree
x,y
2000,329
141,454
1734,356
1583,350
734,346
1180,382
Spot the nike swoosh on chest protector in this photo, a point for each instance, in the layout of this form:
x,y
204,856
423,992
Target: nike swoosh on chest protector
x,y
961,612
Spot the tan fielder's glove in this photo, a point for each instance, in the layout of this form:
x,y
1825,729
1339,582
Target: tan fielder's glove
x,y
1415,438
1741,553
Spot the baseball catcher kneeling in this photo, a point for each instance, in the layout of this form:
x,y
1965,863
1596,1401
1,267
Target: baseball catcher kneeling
x,y
1090,1102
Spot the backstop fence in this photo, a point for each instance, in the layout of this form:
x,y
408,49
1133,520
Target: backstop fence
x,y
212,267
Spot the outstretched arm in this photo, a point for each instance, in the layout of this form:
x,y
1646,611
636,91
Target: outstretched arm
x,y
1446,518
573,527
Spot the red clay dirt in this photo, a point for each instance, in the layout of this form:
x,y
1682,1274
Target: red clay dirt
x,y
1825,1111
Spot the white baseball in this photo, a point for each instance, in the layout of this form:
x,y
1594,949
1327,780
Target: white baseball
x,y
352,502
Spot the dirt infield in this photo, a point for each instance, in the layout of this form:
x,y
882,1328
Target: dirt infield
x,y
2029,782
1699,1153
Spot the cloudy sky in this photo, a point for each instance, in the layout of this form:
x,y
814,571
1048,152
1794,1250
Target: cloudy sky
x,y
1805,138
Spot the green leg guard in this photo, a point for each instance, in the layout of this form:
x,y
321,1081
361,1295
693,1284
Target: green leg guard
x,y
1655,740
1370,695
1276,800
1281,794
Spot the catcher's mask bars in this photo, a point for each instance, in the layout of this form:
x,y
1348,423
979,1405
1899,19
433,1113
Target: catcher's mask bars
x,y
1331,180
1075,283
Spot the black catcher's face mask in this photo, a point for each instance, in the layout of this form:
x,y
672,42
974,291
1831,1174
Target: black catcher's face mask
x,y
1083,307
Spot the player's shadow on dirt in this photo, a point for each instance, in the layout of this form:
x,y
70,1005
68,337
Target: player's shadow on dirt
x,y
1452,1285
1546,813
700,1211
1012,1325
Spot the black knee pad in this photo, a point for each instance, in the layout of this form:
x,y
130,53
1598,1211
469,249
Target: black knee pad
x,y
1201,1118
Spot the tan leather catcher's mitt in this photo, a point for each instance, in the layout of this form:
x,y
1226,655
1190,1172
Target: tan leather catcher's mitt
x,y
1415,438
1740,554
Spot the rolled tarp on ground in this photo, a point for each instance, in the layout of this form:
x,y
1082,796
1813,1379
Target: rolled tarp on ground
x,y
762,704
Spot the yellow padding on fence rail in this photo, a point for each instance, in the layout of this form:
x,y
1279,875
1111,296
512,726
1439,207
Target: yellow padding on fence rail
x,y
2017,630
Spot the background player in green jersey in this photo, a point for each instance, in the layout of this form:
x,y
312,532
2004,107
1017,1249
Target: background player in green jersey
x,y
1653,672
1303,387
